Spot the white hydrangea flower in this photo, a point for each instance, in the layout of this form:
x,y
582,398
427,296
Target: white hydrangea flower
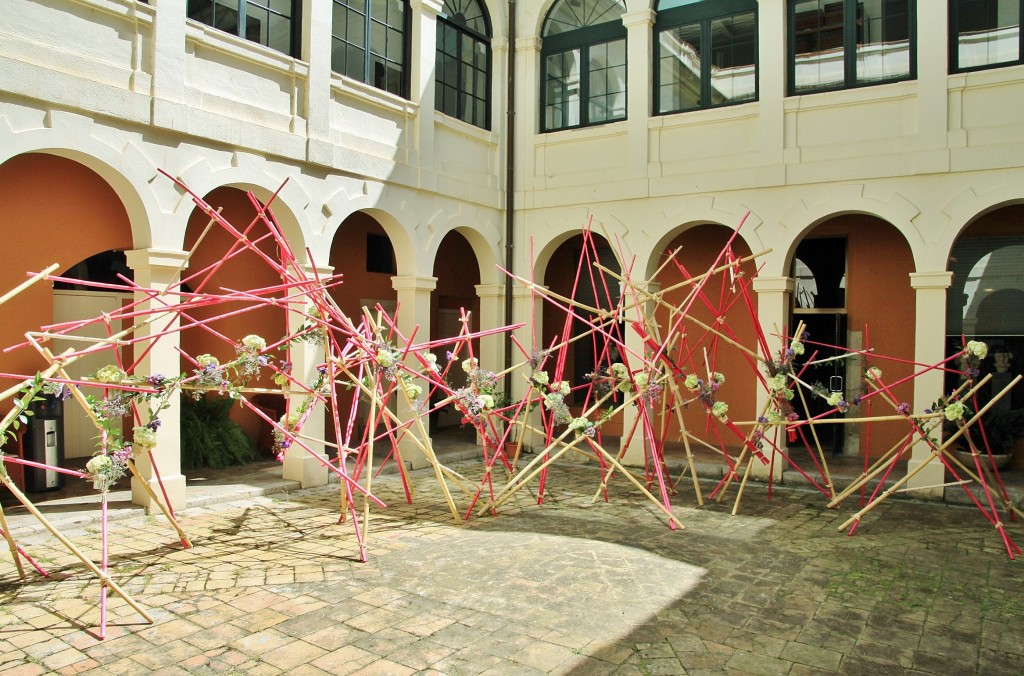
x,y
977,348
205,360
721,411
469,364
692,382
777,382
98,464
144,438
110,374
254,343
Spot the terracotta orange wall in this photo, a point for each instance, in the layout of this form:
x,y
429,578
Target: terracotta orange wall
x,y
54,211
880,301
457,275
348,256
244,271
699,247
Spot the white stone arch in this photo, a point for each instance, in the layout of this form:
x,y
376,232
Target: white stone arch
x,y
967,206
557,234
691,213
373,200
289,206
802,217
126,169
485,251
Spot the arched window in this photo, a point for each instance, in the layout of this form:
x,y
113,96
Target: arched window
x,y
369,42
463,66
583,67
706,54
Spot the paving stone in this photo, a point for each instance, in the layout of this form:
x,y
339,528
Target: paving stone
x,y
569,587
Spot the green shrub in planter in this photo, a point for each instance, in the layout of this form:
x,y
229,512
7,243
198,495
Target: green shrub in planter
x,y
209,438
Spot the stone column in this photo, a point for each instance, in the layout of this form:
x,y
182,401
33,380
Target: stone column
x,y
773,299
492,307
421,77
639,48
929,348
933,88
299,464
531,312
159,270
634,447
413,316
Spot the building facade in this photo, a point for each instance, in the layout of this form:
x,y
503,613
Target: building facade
x,y
873,151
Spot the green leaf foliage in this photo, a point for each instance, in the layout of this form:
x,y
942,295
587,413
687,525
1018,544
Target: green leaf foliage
x,y
209,438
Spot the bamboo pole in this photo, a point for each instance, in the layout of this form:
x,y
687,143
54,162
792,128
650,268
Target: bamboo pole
x,y
104,578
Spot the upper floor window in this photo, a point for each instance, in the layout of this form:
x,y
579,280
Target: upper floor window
x,y
985,33
835,44
583,64
274,23
706,54
369,42
462,72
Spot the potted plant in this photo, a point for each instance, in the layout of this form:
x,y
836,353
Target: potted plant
x,y
1002,429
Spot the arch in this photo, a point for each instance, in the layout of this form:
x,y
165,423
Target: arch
x,y
125,168
697,211
968,205
289,207
842,200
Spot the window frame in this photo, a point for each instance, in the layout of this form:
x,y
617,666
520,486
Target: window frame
x,y
954,41
849,50
489,67
582,39
241,7
367,77
704,13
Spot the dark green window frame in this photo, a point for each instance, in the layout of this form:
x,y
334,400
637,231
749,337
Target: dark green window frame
x,y
472,100
582,39
851,11
242,18
359,53
703,13
955,36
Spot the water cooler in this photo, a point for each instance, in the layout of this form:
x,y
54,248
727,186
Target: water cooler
x,y
44,443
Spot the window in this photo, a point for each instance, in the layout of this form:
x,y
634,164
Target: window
x,y
583,64
835,44
368,42
274,23
706,54
985,33
463,62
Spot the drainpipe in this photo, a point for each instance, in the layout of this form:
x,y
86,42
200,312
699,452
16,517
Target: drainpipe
x,y
510,199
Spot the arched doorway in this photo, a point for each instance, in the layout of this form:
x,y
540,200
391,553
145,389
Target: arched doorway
x,y
58,211
457,277
853,291
986,302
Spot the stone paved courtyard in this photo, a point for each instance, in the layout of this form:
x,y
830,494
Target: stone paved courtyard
x,y
273,585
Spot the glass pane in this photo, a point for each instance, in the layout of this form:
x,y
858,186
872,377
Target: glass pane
x,y
570,15
562,90
279,34
883,40
467,14
679,68
733,57
607,94
988,32
818,55
355,66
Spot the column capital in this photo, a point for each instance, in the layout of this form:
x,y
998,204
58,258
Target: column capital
x,y
413,283
939,279
528,43
520,291
156,258
490,290
774,284
643,17
321,271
